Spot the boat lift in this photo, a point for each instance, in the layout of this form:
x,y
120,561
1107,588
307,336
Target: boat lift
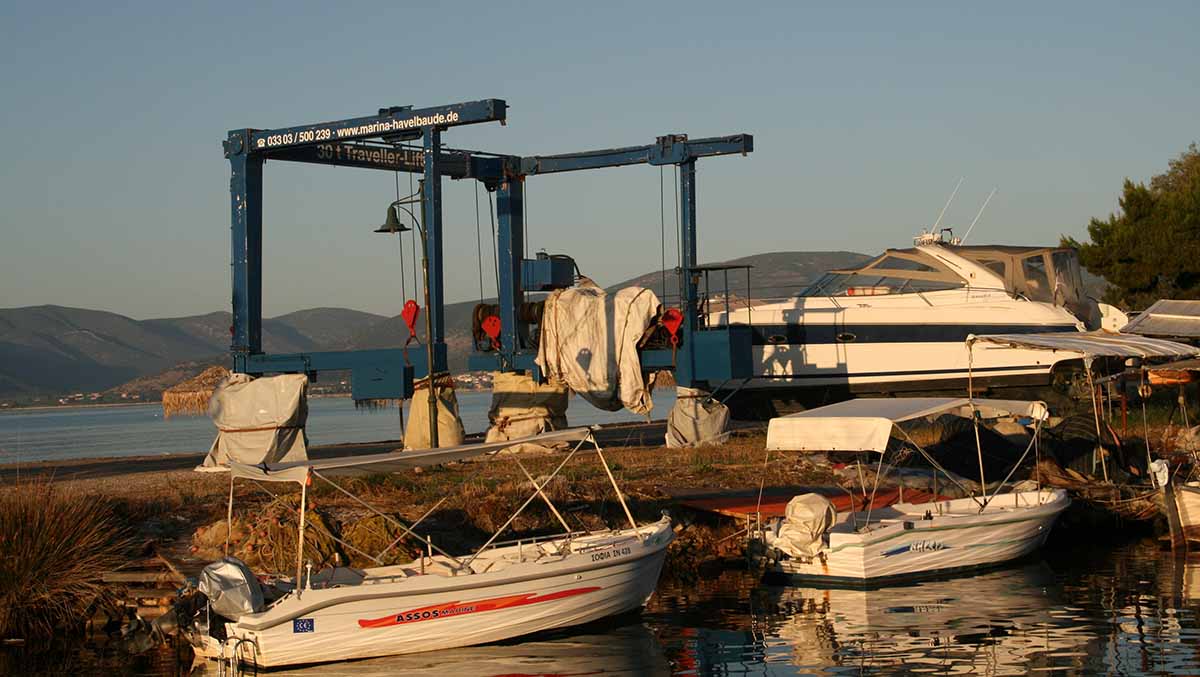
x,y
386,142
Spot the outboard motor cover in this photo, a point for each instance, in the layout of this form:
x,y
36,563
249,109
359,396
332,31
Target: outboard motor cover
x,y
807,519
231,588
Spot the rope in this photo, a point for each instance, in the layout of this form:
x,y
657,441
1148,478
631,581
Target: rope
x,y
478,244
495,261
525,220
412,240
662,228
400,238
678,237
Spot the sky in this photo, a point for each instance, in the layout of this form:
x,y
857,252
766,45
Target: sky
x,y
115,190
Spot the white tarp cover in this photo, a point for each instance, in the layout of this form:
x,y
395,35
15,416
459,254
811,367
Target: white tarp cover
x,y
449,424
259,420
589,341
806,519
231,588
391,462
1092,344
696,420
522,407
865,424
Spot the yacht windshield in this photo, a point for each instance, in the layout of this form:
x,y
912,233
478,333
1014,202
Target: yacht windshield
x,y
873,283
896,272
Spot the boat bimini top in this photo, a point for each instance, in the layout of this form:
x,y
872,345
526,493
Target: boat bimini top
x,y
298,471
1093,344
866,424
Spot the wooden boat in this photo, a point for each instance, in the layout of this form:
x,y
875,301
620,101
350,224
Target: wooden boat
x,y
905,540
440,601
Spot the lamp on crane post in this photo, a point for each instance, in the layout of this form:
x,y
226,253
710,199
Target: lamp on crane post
x,y
392,224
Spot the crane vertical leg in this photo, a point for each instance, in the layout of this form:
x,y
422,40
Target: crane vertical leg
x,y
510,241
685,367
433,242
245,192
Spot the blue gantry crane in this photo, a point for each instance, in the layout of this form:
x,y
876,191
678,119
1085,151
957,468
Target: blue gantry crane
x,y
705,355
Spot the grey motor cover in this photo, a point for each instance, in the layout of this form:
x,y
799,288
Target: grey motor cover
x,y
231,588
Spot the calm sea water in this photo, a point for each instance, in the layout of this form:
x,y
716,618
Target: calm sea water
x,y
136,430
1082,610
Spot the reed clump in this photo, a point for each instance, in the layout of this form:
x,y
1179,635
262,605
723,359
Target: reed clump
x,y
55,543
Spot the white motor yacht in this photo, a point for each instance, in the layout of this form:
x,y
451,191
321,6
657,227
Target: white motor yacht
x,y
898,323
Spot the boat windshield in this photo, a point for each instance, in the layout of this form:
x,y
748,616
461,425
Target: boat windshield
x,y
872,284
895,272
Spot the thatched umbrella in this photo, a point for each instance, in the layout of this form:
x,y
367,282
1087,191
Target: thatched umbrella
x,y
192,396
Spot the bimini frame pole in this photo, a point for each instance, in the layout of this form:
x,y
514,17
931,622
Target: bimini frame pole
x,y
975,415
620,496
524,505
300,539
1087,364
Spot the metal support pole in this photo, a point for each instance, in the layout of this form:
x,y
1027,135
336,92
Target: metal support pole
x,y
245,196
300,541
510,205
685,365
432,268
431,204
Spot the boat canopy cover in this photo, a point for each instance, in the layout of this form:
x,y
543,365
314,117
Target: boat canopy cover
x,y
865,424
1092,344
1167,317
391,462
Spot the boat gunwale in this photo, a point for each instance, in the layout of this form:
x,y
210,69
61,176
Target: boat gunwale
x,y
1060,501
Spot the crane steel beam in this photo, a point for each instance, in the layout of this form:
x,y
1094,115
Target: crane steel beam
x,y
391,121
669,149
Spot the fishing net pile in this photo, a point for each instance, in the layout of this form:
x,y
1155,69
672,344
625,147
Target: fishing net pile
x,y
266,539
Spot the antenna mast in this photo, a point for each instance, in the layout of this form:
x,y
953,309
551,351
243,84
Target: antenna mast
x,y
985,204
947,205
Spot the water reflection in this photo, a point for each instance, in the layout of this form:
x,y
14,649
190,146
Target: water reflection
x,y
1087,609
626,647
1083,611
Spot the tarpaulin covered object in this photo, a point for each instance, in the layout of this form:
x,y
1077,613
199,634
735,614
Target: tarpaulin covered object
x,y
806,519
231,588
259,420
522,407
696,420
449,423
589,341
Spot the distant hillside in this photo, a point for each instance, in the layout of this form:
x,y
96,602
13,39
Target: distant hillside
x,y
55,349
771,274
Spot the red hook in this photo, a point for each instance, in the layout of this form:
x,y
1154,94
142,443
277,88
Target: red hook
x,y
671,319
410,313
491,327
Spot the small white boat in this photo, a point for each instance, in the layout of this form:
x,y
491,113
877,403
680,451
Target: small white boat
x,y
1187,502
904,540
440,601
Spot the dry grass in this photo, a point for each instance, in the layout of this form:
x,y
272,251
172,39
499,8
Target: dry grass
x,y
55,542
